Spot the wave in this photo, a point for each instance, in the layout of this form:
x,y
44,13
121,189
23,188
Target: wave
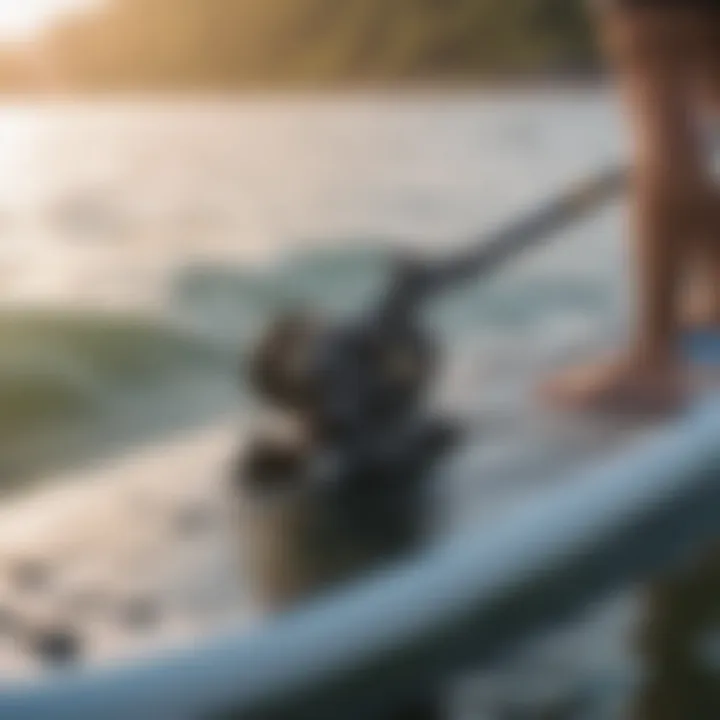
x,y
231,305
234,303
74,385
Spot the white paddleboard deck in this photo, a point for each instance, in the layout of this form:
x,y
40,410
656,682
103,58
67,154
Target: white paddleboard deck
x,y
523,447
142,553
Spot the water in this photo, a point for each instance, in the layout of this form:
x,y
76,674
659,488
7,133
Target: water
x,y
104,203
204,218
213,214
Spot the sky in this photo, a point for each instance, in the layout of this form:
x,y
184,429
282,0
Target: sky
x,y
19,19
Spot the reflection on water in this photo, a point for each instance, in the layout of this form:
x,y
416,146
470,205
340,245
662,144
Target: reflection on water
x,y
105,201
204,219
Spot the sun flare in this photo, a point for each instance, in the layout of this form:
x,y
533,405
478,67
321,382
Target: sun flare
x,y
20,19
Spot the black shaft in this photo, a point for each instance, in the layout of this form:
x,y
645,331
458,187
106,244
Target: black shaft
x,y
487,254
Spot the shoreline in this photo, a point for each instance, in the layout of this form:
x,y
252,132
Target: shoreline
x,y
401,91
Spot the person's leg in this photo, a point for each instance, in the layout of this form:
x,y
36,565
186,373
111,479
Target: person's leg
x,y
650,48
702,309
703,291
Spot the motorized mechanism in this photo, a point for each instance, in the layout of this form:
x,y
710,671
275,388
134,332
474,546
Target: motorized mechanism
x,y
354,393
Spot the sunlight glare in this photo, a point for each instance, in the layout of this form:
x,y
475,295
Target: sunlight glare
x,y
19,19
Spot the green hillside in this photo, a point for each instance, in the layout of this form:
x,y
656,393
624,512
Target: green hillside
x,y
240,43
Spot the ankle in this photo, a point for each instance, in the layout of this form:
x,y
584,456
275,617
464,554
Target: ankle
x,y
655,355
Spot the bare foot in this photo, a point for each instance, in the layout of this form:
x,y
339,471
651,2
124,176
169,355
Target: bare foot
x,y
701,301
702,314
623,388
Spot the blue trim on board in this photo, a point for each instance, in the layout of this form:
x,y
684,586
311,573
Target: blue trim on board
x,y
702,347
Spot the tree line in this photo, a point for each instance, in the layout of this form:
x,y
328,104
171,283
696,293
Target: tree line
x,y
227,44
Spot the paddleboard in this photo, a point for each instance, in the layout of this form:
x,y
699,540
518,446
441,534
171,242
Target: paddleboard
x,y
519,447
140,554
